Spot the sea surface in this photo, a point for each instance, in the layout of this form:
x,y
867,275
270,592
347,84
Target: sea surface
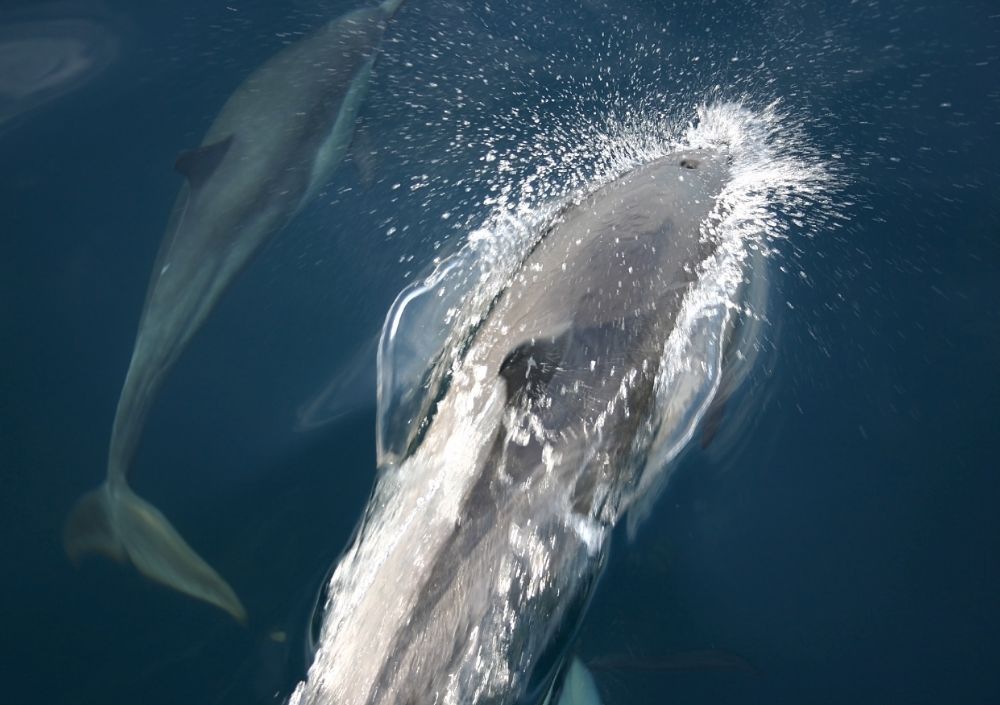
x,y
837,544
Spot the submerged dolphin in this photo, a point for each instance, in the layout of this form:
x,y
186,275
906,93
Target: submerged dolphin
x,y
483,539
275,143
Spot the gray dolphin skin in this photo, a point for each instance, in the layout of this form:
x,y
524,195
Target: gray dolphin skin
x,y
480,548
277,140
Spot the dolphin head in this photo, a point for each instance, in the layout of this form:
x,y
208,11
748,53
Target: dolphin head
x,y
711,161
693,176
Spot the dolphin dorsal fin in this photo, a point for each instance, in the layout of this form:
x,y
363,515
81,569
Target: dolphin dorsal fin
x,y
199,163
528,368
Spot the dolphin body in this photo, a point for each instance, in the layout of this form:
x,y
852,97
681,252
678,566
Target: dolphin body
x,y
483,540
275,143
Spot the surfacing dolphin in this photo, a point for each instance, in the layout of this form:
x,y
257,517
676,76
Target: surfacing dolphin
x,y
275,143
486,534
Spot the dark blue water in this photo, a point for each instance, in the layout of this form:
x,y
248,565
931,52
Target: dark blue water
x,y
842,549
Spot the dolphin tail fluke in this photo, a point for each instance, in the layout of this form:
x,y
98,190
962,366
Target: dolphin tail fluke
x,y
120,524
89,529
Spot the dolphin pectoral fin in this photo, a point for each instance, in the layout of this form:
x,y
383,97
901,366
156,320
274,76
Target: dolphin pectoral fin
x,y
159,552
89,529
198,164
119,524
578,687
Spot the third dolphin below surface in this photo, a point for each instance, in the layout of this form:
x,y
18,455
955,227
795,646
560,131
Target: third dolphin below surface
x,y
275,143
484,537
